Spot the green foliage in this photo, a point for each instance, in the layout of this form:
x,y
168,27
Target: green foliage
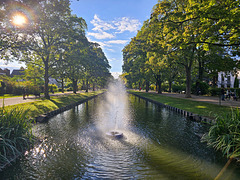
x,y
178,88
181,36
201,87
15,134
236,82
69,89
214,91
152,87
52,87
165,87
224,135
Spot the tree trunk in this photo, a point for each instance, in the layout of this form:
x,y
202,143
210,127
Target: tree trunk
x,y
147,86
188,82
74,86
139,86
200,70
170,86
46,89
93,86
86,85
62,83
159,83
214,81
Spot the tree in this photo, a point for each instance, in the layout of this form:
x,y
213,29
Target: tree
x,y
96,66
73,52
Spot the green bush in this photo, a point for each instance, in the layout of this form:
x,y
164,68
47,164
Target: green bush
x,y
17,90
152,87
165,87
69,89
203,88
178,88
52,88
15,134
224,135
214,91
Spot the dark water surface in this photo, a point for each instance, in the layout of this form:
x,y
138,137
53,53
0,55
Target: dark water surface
x,y
157,144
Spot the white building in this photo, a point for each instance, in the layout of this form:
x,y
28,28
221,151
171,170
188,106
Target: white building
x,y
227,79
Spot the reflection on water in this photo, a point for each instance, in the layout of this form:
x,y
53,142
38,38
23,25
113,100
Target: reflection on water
x,y
157,144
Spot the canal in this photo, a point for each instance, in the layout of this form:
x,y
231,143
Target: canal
x,y
157,144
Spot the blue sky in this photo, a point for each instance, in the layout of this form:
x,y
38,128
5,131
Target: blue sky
x,y
111,23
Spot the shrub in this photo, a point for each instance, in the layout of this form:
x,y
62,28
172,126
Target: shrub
x,y
53,88
69,89
152,87
15,134
17,90
203,88
224,136
237,90
178,88
214,91
165,87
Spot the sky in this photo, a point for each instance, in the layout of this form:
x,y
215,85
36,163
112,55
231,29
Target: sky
x,y
111,23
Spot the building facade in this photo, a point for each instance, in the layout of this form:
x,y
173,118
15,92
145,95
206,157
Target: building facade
x,y
227,79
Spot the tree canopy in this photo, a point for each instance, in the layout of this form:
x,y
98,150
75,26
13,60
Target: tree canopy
x,y
182,35
49,37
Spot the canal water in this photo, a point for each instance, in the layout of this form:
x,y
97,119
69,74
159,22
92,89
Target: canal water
x,y
157,144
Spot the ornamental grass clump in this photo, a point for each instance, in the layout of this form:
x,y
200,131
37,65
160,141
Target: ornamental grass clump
x,y
15,134
224,135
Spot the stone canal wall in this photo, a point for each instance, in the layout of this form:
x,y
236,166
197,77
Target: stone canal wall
x,y
190,115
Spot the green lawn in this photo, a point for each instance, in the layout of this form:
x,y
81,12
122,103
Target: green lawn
x,y
200,108
9,96
42,105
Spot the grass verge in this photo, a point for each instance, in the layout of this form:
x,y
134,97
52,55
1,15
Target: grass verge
x,y
196,107
9,96
43,105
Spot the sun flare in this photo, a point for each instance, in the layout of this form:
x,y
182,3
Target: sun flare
x,y
19,20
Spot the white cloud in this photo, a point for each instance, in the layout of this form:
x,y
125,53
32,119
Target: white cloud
x,y
101,35
112,50
127,24
101,25
108,29
112,59
117,42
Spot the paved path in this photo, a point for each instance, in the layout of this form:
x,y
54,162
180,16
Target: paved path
x,y
19,100
207,99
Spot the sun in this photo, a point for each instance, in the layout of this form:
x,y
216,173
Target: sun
x,y
19,20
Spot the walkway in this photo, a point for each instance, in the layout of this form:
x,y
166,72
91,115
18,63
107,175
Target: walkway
x,y
19,100
207,99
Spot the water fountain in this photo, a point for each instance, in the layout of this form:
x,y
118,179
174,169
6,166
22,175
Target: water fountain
x,y
115,94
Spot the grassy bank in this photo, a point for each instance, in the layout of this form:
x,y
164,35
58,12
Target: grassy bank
x,y
196,107
43,105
